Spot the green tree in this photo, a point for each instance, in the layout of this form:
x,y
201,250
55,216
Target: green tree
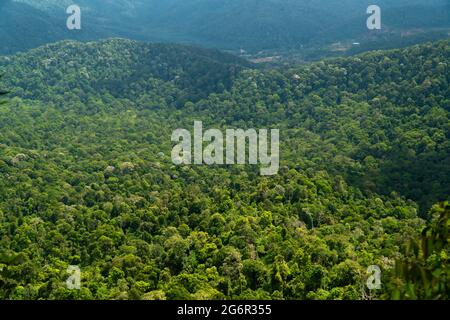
x,y
424,272
2,92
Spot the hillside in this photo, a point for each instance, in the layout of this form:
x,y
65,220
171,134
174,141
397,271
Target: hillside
x,y
87,177
66,67
253,25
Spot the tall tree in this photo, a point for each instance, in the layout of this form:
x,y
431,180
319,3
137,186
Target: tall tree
x,y
2,92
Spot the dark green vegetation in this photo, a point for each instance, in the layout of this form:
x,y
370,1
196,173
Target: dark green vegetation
x,y
307,26
87,179
2,93
423,272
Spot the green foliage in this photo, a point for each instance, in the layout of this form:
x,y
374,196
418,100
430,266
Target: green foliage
x,y
86,177
2,93
423,272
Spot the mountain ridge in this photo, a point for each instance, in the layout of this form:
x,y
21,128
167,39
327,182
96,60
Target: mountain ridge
x,y
208,70
251,25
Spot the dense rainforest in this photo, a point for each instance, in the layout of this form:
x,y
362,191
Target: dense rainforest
x,y
87,178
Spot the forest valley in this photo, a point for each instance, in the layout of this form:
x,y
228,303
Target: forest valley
x,y
87,180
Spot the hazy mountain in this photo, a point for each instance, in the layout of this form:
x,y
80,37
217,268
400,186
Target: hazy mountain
x,y
229,24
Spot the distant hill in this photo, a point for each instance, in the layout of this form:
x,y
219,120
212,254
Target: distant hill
x,y
231,24
23,27
196,72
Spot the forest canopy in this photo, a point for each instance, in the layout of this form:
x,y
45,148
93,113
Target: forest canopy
x,y
87,180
